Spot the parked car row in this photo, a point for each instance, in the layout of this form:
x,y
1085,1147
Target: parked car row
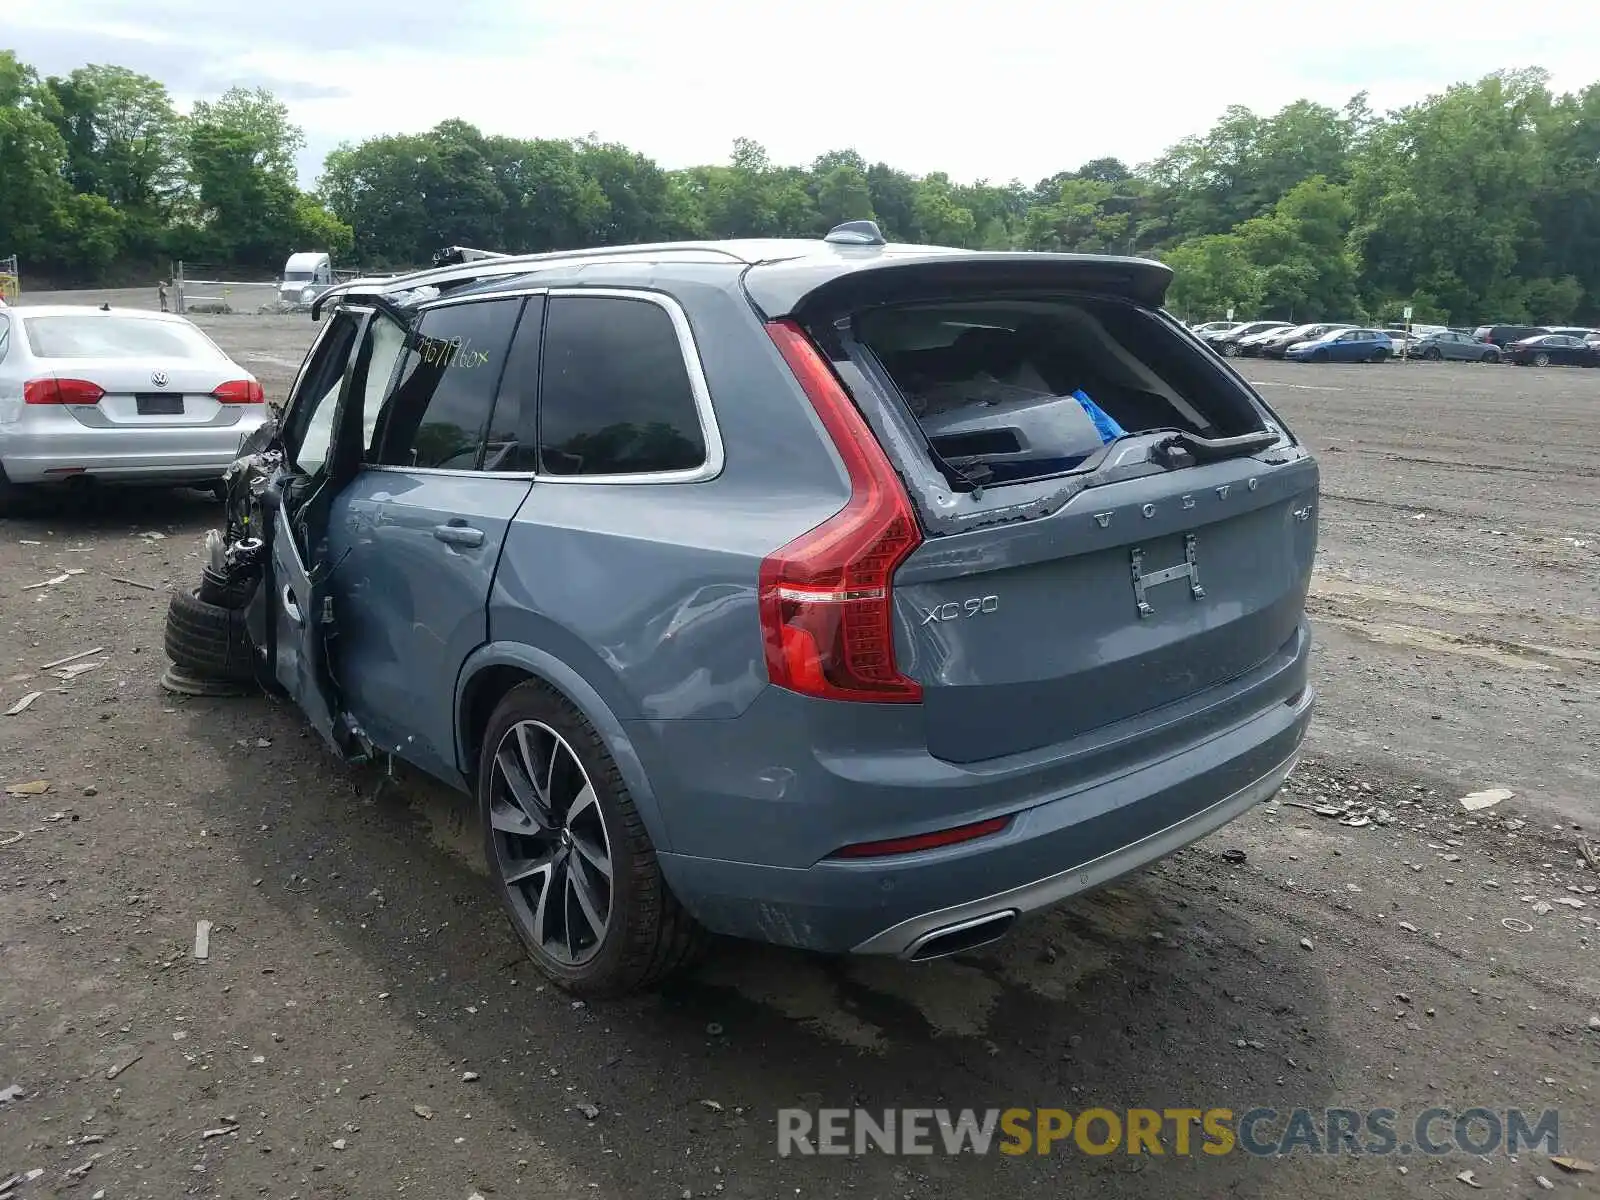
x,y
1524,345
1317,342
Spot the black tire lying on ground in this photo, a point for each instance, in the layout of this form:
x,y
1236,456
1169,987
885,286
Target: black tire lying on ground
x,y
208,640
217,589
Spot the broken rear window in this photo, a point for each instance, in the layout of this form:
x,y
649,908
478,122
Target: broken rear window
x,y
1032,387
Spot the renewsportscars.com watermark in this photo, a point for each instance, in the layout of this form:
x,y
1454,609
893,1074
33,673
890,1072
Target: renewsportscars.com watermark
x,y
1261,1132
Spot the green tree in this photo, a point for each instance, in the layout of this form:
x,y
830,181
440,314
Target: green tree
x,y
843,195
1246,163
941,219
122,137
264,119
1479,203
33,192
242,194
1212,274
1301,251
1444,191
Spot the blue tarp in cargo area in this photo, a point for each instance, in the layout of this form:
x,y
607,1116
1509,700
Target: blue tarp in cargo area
x,y
1109,430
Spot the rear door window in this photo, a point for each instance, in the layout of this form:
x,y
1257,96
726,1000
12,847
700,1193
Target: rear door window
x,y
512,444
438,414
616,396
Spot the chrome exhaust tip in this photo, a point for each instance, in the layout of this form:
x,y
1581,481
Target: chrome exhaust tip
x,y
964,935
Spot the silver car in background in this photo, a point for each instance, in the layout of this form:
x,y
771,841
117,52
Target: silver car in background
x,y
117,395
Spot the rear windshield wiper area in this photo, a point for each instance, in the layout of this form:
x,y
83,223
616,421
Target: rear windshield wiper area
x,y
1181,448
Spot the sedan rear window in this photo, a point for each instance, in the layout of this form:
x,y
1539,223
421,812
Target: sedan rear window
x,y
89,336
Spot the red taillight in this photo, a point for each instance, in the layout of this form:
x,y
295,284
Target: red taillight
x,y
826,611
923,841
61,391
240,391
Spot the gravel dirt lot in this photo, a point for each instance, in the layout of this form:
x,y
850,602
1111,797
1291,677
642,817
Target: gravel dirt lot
x,y
365,1024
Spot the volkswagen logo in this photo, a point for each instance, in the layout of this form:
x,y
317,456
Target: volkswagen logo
x,y
159,378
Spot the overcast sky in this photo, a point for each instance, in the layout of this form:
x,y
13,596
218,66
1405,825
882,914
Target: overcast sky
x,y
1000,89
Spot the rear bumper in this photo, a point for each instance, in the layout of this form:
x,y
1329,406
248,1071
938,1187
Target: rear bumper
x,y
1072,842
910,936
171,454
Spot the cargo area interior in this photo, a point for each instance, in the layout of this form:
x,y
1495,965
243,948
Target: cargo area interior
x,y
1020,388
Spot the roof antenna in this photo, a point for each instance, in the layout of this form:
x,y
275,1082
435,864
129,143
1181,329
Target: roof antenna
x,y
106,307
856,233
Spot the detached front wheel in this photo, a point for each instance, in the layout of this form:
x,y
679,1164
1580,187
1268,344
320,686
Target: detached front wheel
x,y
569,854
208,640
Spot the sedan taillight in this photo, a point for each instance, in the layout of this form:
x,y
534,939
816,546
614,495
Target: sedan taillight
x,y
61,391
240,391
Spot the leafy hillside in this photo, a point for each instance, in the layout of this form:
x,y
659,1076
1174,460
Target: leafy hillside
x,y
1479,203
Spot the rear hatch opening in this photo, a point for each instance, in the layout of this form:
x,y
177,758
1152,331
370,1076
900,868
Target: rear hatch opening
x,y
1114,533
1021,388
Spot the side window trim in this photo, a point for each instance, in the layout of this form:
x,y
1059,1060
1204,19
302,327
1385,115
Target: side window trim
x,y
704,410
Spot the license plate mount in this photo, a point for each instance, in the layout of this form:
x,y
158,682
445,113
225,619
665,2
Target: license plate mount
x,y
158,404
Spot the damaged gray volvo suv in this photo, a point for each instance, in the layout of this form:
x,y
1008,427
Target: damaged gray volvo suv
x,y
845,595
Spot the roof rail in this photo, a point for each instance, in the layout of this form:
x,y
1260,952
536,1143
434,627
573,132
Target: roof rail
x,y
487,264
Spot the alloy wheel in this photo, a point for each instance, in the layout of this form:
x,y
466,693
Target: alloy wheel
x,y
550,843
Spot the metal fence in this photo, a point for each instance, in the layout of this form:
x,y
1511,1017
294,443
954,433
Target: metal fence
x,y
204,288
10,279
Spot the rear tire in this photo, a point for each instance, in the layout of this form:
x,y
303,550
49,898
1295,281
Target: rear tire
x,y
1379,355
12,495
208,640
588,816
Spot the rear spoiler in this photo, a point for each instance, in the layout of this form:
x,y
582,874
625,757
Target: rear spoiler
x,y
804,287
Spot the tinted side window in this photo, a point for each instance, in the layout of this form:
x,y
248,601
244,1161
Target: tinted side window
x,y
439,410
615,396
5,338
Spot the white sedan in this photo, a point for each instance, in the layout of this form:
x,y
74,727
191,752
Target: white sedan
x,y
118,395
